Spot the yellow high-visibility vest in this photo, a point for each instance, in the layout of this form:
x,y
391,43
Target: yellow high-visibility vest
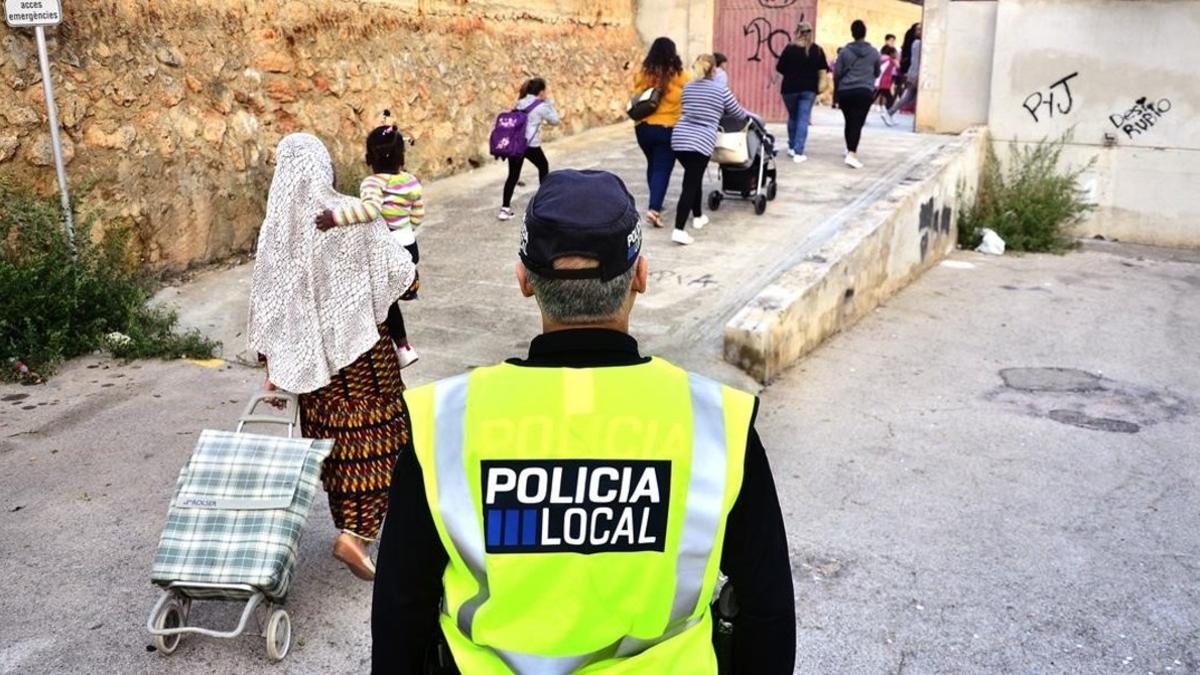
x,y
583,511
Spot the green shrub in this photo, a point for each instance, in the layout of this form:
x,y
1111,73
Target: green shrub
x,y
1030,205
55,305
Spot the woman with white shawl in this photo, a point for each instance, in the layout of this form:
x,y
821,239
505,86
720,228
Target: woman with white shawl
x,y
317,303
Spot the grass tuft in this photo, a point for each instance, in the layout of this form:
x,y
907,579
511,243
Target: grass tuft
x,y
1030,205
55,306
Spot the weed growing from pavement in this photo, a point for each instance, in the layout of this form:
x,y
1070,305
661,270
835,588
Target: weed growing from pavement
x,y
55,306
1031,204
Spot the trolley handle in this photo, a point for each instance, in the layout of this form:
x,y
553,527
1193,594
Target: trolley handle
x,y
290,417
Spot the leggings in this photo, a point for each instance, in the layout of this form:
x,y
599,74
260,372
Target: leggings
x,y
537,158
910,93
690,198
395,318
855,104
885,96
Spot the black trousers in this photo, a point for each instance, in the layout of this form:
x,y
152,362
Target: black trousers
x,y
692,195
515,164
856,105
395,318
885,96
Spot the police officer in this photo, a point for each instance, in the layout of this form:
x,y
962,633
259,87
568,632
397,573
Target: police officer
x,y
574,508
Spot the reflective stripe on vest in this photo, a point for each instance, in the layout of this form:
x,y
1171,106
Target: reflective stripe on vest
x,y
706,491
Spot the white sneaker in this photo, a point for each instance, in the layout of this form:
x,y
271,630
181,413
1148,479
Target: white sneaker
x,y
799,159
853,163
680,237
505,213
699,222
887,117
791,152
407,356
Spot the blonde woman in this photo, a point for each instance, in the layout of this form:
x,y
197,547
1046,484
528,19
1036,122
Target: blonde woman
x,y
802,65
704,104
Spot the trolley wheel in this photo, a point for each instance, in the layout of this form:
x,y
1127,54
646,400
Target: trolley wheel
x,y
279,634
714,200
172,615
760,205
772,189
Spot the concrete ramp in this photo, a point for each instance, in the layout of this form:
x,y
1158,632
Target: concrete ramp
x,y
853,261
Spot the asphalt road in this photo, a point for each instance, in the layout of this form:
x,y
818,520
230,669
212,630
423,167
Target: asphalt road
x,y
997,472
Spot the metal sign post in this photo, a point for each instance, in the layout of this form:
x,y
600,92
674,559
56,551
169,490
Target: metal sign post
x,y
38,14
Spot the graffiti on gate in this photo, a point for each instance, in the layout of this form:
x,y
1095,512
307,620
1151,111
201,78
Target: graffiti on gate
x,y
1142,116
765,34
933,222
1051,99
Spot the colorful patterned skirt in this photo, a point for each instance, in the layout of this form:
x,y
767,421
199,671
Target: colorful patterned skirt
x,y
362,410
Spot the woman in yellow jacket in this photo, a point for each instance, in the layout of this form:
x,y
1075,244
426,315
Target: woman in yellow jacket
x,y
663,70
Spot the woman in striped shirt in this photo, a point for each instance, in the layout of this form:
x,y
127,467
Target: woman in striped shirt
x,y
705,104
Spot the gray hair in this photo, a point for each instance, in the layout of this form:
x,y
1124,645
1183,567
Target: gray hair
x,y
581,301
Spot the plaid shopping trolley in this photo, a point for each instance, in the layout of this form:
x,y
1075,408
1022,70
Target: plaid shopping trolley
x,y
233,527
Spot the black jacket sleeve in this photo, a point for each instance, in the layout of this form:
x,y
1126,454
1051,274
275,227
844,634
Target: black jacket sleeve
x,y
755,558
408,581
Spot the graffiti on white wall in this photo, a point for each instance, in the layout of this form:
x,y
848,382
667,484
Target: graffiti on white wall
x,y
1141,117
1051,101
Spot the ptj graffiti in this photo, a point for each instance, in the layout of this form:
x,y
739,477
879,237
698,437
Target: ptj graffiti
x,y
1052,99
1141,117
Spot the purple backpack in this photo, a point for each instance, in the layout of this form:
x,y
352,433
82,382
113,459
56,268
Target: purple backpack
x,y
508,134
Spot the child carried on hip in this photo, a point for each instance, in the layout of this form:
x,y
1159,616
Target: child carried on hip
x,y
393,194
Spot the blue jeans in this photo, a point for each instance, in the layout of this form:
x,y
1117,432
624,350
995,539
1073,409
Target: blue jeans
x,y
799,109
655,142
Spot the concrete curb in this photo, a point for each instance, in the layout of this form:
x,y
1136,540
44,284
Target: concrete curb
x,y
870,257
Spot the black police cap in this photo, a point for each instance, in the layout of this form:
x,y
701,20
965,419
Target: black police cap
x,y
581,213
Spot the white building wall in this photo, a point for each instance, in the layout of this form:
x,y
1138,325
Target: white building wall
x,y
1082,66
956,75
688,22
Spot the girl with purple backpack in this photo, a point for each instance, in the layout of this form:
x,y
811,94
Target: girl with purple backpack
x,y
537,110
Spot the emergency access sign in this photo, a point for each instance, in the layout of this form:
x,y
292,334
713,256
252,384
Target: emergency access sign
x,y
32,13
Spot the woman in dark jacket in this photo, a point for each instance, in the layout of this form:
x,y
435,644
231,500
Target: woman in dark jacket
x,y
856,71
801,65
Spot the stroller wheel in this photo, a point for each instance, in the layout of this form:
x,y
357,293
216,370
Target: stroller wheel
x,y
760,205
279,634
772,188
714,200
170,616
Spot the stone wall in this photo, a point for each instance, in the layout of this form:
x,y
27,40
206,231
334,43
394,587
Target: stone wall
x,y
172,108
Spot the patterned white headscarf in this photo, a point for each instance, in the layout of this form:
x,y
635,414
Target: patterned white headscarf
x,y
317,297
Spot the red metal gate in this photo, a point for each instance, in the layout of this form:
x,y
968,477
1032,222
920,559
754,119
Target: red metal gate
x,y
753,33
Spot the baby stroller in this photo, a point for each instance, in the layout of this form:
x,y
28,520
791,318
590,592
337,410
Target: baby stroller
x,y
233,528
746,161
